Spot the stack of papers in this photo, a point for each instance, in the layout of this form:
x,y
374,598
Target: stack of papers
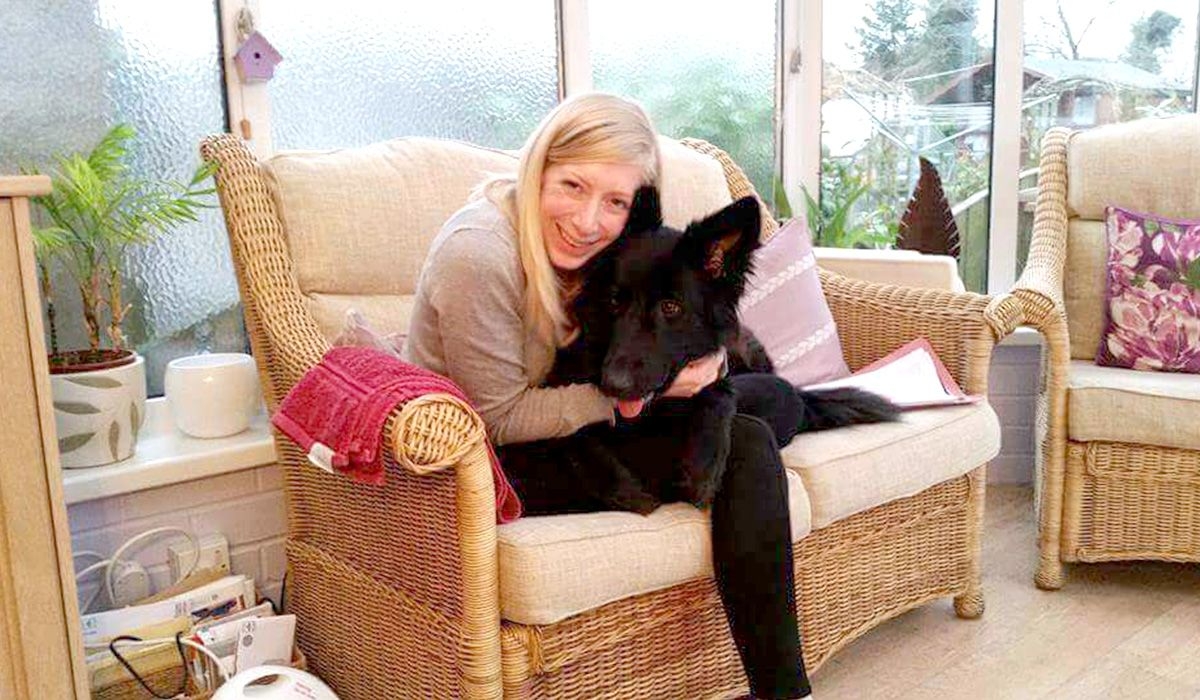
x,y
911,377
222,615
217,599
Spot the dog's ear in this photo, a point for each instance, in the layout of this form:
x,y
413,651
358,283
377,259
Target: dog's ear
x,y
722,244
645,214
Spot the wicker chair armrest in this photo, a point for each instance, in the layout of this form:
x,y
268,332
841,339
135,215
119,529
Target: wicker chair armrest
x,y
414,558
432,432
1040,287
1040,293
426,436
874,319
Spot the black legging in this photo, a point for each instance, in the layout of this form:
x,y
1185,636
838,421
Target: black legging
x,y
751,535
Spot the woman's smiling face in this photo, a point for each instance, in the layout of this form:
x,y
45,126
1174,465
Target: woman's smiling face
x,y
584,207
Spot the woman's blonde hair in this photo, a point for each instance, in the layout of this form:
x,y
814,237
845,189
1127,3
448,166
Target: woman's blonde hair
x,y
589,128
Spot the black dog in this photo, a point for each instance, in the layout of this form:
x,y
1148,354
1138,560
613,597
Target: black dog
x,y
652,302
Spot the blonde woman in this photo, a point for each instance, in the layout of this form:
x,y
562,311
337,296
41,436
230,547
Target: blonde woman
x,y
491,312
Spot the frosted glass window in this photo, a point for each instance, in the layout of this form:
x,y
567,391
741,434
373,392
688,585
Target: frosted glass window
x,y
72,70
359,71
701,69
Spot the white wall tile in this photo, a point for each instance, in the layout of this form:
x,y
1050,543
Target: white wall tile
x,y
244,520
274,559
178,497
90,515
245,560
247,507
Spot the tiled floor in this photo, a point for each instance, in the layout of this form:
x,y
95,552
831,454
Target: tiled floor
x,y
1113,631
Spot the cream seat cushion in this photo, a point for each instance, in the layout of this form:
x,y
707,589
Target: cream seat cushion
x,y
556,566
853,469
1124,405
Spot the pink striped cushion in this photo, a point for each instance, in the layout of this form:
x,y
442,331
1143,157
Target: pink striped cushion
x,y
785,308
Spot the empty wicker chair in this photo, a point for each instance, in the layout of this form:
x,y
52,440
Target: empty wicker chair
x,y
1119,456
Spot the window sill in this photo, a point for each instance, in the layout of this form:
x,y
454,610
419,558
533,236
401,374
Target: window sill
x,y
908,267
166,456
903,267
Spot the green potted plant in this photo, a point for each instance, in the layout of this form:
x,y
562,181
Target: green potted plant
x,y
831,216
97,211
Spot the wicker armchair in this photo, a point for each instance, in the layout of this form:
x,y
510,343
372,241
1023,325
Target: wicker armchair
x,y
398,588
1119,460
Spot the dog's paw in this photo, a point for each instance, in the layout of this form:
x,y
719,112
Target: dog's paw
x,y
701,494
633,500
702,465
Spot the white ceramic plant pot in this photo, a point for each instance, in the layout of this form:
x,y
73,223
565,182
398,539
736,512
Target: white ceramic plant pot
x,y
98,413
212,395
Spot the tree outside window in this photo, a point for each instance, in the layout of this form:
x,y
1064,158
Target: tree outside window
x,y
1091,63
906,79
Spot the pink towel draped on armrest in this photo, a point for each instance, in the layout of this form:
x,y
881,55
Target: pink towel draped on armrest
x,y
338,409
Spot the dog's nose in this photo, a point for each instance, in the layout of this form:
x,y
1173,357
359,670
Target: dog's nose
x,y
617,381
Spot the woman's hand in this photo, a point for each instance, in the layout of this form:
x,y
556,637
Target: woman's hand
x,y
697,375
690,381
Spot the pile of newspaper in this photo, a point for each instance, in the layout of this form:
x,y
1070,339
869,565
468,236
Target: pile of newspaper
x,y
219,612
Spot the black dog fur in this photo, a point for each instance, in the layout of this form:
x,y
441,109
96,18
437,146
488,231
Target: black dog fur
x,y
654,301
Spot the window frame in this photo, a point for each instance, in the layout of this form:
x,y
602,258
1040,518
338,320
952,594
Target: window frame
x,y
799,60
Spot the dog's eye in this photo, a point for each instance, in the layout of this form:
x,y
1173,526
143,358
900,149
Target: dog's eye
x,y
670,308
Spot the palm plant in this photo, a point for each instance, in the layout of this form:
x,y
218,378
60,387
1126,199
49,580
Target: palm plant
x,y
96,211
834,218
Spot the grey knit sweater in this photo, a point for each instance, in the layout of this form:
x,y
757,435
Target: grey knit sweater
x,y
467,324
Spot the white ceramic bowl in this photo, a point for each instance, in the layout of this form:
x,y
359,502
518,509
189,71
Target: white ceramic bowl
x,y
212,395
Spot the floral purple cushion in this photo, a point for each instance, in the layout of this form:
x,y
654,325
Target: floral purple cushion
x,y
785,309
1153,294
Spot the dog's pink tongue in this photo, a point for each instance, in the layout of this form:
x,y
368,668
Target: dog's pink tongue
x,y
629,408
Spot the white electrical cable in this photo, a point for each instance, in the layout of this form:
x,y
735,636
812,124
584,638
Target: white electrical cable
x,y
86,553
116,557
110,563
87,605
92,567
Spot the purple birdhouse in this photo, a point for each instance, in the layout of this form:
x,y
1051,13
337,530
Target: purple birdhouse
x,y
256,59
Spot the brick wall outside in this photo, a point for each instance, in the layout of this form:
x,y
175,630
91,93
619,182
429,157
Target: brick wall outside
x,y
1012,388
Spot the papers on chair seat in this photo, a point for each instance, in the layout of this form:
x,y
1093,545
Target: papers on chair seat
x,y
910,377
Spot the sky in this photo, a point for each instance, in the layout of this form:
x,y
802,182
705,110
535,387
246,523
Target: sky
x,y
1106,38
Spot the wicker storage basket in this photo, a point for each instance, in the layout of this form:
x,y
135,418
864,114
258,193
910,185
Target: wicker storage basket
x,y
166,680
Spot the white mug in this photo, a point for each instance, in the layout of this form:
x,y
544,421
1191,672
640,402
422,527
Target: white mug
x,y
212,395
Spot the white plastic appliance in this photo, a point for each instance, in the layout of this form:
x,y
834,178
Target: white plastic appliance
x,y
287,684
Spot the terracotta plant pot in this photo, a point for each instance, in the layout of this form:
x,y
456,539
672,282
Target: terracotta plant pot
x,y
99,405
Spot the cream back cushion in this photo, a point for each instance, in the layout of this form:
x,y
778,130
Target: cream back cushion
x,y
359,221
1149,165
693,185
1083,286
